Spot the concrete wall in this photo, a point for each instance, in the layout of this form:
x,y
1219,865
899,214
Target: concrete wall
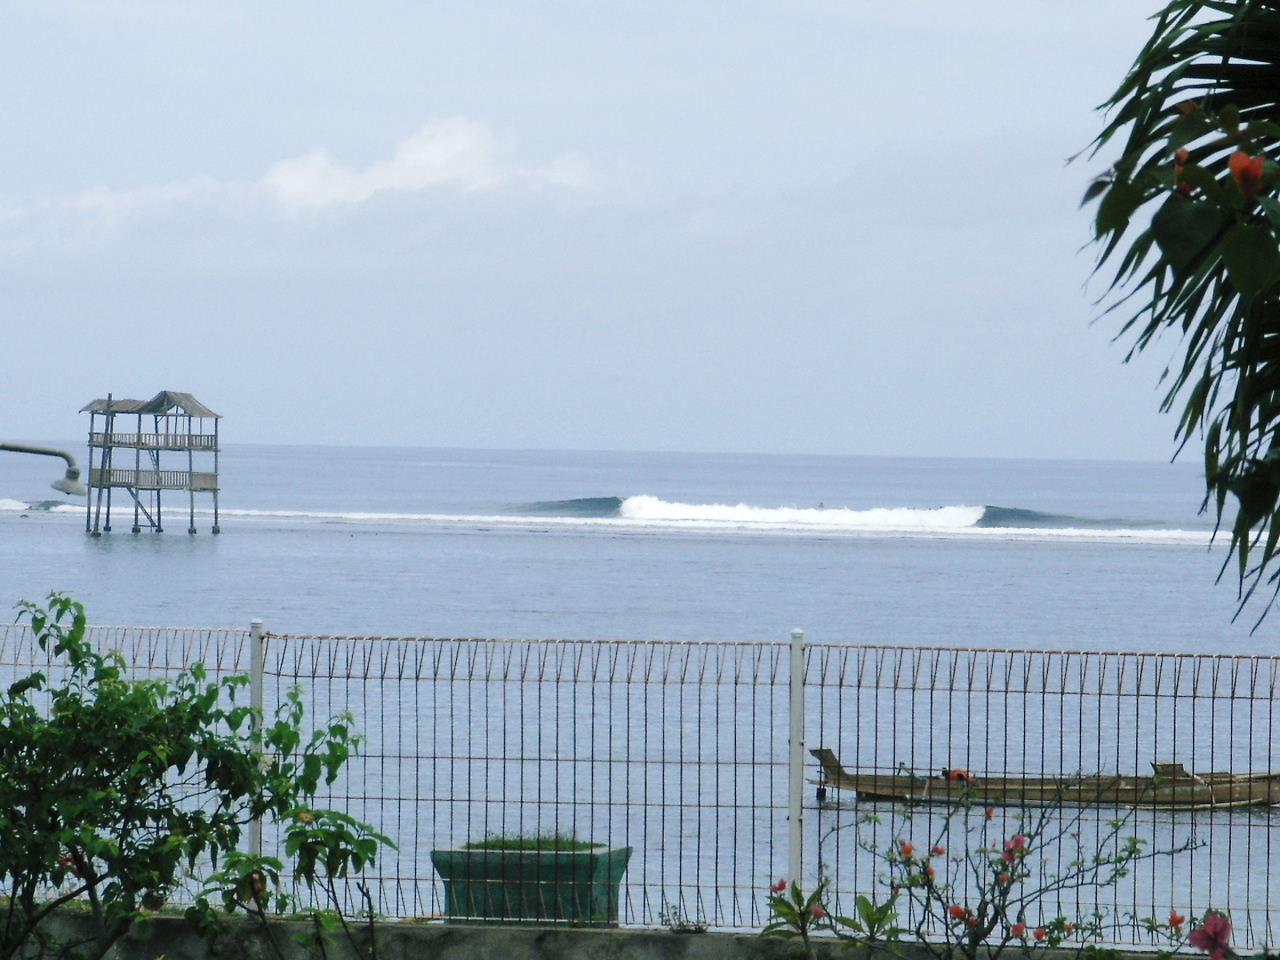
x,y
171,938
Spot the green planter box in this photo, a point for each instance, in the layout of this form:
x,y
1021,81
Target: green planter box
x,y
532,886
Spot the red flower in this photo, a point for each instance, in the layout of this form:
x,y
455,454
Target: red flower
x,y
817,911
1184,186
895,889
1015,847
991,812
1247,171
907,848
957,912
1003,879
1176,919
1039,933
939,850
1068,928
1019,929
1213,937
778,887
929,871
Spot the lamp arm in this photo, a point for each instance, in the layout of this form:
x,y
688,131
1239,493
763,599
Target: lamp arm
x,y
44,451
70,484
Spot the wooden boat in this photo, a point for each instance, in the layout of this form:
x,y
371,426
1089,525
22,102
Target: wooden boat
x,y
1169,787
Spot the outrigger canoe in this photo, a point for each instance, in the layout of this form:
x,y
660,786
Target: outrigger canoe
x,y
1170,787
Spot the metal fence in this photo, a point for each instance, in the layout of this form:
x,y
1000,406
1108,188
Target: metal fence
x,y
694,754
1064,715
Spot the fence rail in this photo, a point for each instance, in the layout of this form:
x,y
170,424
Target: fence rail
x,y
687,753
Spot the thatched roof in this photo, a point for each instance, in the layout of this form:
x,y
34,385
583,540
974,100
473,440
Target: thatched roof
x,y
164,402
115,406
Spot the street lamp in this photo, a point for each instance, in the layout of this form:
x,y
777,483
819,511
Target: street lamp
x,y
69,484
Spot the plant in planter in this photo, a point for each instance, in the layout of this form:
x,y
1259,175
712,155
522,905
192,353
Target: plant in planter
x,y
532,879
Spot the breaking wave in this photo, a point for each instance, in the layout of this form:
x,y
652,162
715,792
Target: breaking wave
x,y
43,506
643,513
959,520
580,507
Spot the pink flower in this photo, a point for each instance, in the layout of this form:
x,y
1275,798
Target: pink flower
x,y
817,911
1019,929
1039,933
1213,937
778,887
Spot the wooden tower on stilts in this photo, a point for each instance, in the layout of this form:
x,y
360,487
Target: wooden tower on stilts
x,y
145,447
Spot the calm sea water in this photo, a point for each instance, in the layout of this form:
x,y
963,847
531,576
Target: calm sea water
x,y
467,543
1040,554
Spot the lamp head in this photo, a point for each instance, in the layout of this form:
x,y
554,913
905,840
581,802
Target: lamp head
x,y
70,484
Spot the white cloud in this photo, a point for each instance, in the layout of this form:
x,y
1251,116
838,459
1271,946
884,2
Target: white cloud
x,y
456,155
453,151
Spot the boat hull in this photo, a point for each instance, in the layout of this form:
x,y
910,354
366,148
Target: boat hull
x,y
1186,791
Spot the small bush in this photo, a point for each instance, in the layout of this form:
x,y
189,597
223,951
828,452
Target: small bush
x,y
558,842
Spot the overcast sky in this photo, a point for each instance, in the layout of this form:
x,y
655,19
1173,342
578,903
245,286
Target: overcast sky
x,y
804,226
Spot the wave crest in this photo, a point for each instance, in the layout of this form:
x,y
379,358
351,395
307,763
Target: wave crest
x,y
940,519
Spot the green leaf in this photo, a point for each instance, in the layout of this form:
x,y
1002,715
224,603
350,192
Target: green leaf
x,y
1186,229
1271,207
1252,258
1095,189
1118,205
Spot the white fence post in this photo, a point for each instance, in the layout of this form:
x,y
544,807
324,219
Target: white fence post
x,y
795,778
257,667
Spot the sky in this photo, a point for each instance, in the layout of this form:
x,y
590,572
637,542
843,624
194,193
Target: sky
x,y
757,226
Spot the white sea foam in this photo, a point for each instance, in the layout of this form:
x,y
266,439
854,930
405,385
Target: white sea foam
x,y
941,519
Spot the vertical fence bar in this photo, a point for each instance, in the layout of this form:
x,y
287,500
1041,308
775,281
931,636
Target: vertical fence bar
x,y
795,778
257,669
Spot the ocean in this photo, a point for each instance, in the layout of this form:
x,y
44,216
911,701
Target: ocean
x,y
668,546
680,749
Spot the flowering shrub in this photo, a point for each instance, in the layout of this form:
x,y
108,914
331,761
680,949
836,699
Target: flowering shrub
x,y
1195,246
99,775
979,885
